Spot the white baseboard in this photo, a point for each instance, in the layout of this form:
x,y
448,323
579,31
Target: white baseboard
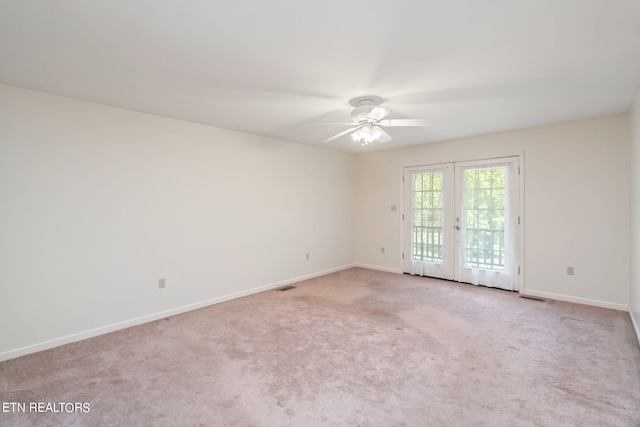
x,y
547,295
577,300
45,345
636,327
22,351
376,267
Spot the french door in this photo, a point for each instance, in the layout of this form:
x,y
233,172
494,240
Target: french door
x,y
461,222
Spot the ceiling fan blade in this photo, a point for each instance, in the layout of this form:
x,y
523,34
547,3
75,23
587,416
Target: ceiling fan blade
x,y
340,134
404,122
342,124
377,113
384,137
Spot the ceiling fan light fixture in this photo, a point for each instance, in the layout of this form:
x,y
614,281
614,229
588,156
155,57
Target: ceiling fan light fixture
x,y
366,134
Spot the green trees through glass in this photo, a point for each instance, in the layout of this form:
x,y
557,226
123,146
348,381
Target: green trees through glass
x,y
427,192
485,217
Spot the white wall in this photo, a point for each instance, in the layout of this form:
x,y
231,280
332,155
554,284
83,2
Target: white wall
x,y
634,296
576,205
98,203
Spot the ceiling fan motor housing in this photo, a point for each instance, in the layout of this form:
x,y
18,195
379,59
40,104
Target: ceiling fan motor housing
x,y
361,114
364,106
366,100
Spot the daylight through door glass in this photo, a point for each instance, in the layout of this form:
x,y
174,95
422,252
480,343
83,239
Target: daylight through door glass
x,y
485,217
427,216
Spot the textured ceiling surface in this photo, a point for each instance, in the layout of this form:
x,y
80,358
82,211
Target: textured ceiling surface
x,y
280,67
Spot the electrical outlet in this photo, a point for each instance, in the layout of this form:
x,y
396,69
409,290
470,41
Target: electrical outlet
x,y
162,283
307,255
394,208
570,271
382,249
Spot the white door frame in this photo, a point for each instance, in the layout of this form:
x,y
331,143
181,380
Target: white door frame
x,y
519,206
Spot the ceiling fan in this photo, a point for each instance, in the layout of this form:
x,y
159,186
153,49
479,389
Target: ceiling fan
x,y
368,121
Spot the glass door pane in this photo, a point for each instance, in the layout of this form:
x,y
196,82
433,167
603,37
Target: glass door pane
x,y
429,203
485,217
427,217
487,230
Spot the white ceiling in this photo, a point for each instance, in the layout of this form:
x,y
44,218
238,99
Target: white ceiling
x,y
278,67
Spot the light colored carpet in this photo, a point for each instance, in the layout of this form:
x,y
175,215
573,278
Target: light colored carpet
x,y
357,348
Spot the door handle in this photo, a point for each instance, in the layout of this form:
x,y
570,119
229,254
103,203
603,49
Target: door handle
x,y
457,227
